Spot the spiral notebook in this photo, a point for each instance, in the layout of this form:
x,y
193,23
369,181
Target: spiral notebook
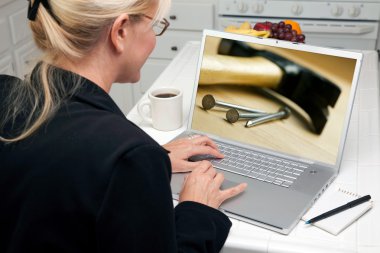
x,y
338,222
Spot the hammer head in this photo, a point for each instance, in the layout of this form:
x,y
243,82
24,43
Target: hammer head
x,y
312,92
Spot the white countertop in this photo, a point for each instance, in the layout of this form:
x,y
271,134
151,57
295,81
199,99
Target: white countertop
x,y
360,171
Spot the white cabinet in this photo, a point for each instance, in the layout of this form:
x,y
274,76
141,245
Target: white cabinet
x,y
149,73
19,25
192,15
27,57
187,20
18,53
122,94
4,2
5,38
172,42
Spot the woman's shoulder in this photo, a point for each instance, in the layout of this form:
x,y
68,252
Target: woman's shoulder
x,y
9,79
6,81
101,129
120,128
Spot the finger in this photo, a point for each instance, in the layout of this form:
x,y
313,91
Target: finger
x,y
186,166
190,166
211,172
205,150
184,182
233,191
185,178
204,140
192,137
203,167
218,180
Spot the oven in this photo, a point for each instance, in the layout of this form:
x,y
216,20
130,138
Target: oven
x,y
336,23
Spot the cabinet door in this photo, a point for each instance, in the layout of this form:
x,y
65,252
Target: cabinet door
x,y
128,94
191,16
19,26
4,2
122,94
26,58
6,66
172,42
5,39
149,73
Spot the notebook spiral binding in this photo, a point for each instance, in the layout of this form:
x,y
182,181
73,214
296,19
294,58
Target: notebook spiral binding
x,y
349,193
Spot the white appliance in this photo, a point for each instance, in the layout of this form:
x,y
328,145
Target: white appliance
x,y
334,23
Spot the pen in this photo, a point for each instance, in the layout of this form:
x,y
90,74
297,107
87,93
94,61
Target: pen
x,y
339,209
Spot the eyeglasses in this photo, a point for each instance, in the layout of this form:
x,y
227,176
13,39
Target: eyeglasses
x,y
159,27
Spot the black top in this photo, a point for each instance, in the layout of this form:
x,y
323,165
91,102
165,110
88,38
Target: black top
x,y
90,180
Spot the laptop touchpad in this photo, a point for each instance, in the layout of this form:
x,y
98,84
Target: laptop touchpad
x,y
228,184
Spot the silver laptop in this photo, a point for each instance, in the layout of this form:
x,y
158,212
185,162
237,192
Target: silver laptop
x,y
279,111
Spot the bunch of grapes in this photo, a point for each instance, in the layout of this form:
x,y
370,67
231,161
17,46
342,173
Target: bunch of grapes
x,y
284,31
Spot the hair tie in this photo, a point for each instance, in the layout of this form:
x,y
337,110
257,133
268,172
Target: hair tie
x,y
33,9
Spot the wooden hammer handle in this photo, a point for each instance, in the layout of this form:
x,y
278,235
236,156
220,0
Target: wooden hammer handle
x,y
231,70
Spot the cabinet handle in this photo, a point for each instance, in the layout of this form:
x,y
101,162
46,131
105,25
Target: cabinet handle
x,y
174,48
173,17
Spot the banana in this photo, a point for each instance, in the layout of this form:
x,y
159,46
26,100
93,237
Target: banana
x,y
246,29
245,25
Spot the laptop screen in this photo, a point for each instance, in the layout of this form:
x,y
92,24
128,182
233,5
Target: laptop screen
x,y
285,100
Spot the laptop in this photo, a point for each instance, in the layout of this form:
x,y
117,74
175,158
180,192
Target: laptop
x,y
279,111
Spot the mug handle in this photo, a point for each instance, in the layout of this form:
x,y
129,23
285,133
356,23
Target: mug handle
x,y
140,109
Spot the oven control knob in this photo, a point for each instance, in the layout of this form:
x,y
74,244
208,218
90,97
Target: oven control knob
x,y
258,7
242,7
336,10
354,11
297,9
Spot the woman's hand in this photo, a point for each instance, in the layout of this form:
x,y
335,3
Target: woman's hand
x,y
182,149
203,186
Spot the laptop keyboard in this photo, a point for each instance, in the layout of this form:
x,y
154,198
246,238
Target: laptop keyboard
x,y
261,167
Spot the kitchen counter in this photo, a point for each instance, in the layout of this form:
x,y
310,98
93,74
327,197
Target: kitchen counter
x,y
360,170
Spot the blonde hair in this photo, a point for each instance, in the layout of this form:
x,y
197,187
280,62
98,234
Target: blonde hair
x,y
71,28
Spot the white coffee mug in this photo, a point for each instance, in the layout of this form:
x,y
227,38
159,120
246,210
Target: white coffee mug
x,y
165,107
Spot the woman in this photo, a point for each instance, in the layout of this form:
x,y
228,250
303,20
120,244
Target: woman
x,y
75,174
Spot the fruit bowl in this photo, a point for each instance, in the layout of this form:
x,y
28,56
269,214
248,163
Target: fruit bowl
x,y
284,30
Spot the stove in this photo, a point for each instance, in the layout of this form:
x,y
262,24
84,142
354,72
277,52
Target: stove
x,y
336,23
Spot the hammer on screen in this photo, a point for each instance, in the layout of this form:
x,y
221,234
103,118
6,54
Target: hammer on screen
x,y
309,90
